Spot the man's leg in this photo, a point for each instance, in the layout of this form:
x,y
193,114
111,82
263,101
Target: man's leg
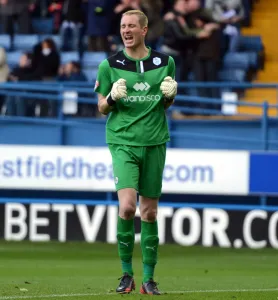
x,y
150,185
126,174
125,228
149,236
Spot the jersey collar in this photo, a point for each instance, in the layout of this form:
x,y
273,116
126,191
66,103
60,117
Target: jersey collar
x,y
141,59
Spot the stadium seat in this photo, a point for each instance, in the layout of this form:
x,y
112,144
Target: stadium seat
x,y
56,38
13,58
25,42
91,74
232,75
43,26
5,41
69,56
251,43
236,60
92,59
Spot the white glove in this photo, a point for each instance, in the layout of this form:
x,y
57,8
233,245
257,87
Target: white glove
x,y
169,87
119,89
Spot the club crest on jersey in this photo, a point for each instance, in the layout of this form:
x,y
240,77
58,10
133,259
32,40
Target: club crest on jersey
x,y
156,61
96,85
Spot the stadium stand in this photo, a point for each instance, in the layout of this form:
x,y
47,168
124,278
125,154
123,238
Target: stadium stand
x,y
239,66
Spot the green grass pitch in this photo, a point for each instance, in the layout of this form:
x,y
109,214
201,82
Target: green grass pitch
x,y
83,271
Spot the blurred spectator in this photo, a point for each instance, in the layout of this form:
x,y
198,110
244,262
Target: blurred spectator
x,y
167,5
207,50
4,69
71,27
39,8
15,12
46,62
178,38
4,73
231,13
153,10
55,8
99,24
24,71
19,106
71,72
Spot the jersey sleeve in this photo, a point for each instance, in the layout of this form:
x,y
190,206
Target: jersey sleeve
x,y
103,83
171,67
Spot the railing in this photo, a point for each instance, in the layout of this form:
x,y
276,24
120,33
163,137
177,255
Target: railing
x,y
53,91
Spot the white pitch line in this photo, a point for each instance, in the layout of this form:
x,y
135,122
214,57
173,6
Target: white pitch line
x,y
111,294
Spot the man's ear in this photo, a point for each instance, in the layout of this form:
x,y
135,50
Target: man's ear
x,y
145,30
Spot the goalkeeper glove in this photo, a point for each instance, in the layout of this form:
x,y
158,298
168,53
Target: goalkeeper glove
x,y
118,91
169,88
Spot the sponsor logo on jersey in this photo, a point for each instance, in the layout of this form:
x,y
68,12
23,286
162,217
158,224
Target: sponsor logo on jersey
x,y
156,61
142,98
142,86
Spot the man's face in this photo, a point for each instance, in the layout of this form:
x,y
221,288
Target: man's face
x,y
68,69
131,31
23,61
193,5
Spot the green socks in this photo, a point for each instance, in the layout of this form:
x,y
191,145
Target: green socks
x,y
149,246
125,236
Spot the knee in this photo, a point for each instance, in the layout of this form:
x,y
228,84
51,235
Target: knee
x,y
127,211
149,214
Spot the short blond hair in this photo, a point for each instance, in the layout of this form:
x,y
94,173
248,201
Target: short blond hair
x,y
143,20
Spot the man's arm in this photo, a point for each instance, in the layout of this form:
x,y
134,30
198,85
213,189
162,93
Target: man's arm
x,y
169,86
118,91
103,106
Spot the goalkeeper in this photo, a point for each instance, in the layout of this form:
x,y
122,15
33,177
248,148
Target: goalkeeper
x,y
134,87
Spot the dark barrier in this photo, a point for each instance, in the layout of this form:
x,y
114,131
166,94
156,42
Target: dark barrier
x,y
185,226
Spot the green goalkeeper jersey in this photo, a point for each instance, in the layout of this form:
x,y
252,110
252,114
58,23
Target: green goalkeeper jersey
x,y
139,119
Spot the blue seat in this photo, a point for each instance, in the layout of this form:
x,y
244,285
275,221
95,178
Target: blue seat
x,y
91,74
236,60
43,26
253,59
232,75
13,58
92,59
5,41
69,56
55,37
25,42
251,43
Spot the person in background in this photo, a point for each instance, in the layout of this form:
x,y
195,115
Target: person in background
x,y
178,38
19,106
99,24
153,10
230,13
55,9
70,30
15,12
207,52
46,62
71,72
4,73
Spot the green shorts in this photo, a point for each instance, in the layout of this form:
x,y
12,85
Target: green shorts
x,y
139,167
